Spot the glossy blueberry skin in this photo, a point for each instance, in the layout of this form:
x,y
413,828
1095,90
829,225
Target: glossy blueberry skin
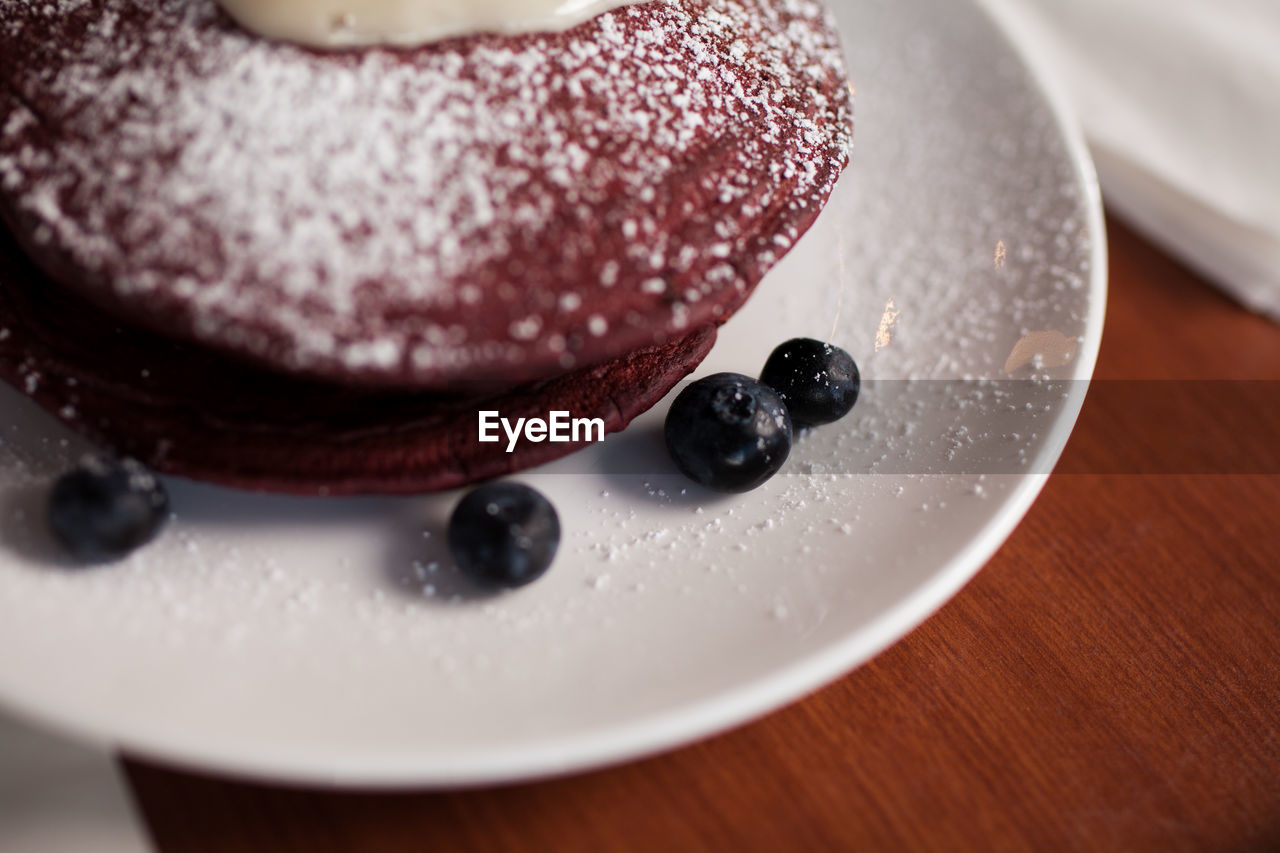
x,y
103,509
504,534
819,382
728,432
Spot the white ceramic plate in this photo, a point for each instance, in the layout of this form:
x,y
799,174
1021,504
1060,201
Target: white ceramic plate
x,y
321,640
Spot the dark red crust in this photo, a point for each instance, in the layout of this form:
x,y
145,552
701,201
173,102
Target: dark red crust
x,y
185,410
91,136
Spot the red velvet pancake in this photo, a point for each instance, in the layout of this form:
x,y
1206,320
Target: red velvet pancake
x,y
469,214
185,409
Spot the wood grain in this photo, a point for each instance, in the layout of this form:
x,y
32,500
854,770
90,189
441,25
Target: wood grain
x,y
1110,681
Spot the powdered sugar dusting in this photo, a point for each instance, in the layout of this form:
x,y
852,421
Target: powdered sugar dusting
x,y
337,212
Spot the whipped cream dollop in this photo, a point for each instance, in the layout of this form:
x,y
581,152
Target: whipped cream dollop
x,y
349,23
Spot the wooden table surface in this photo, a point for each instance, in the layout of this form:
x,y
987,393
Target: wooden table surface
x,y
1110,681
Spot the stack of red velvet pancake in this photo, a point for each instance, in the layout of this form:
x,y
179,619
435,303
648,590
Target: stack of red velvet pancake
x,y
271,267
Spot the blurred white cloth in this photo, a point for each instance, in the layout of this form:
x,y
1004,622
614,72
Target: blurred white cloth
x,y
61,797
1180,102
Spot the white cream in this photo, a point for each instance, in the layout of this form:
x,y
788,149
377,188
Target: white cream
x,y
348,23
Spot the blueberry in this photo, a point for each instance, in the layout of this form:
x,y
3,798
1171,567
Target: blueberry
x,y
819,382
728,432
103,509
504,534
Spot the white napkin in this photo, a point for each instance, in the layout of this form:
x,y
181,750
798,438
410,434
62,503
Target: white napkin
x,y
60,797
1180,102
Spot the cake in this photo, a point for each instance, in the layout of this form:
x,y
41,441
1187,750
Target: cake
x,y
290,269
